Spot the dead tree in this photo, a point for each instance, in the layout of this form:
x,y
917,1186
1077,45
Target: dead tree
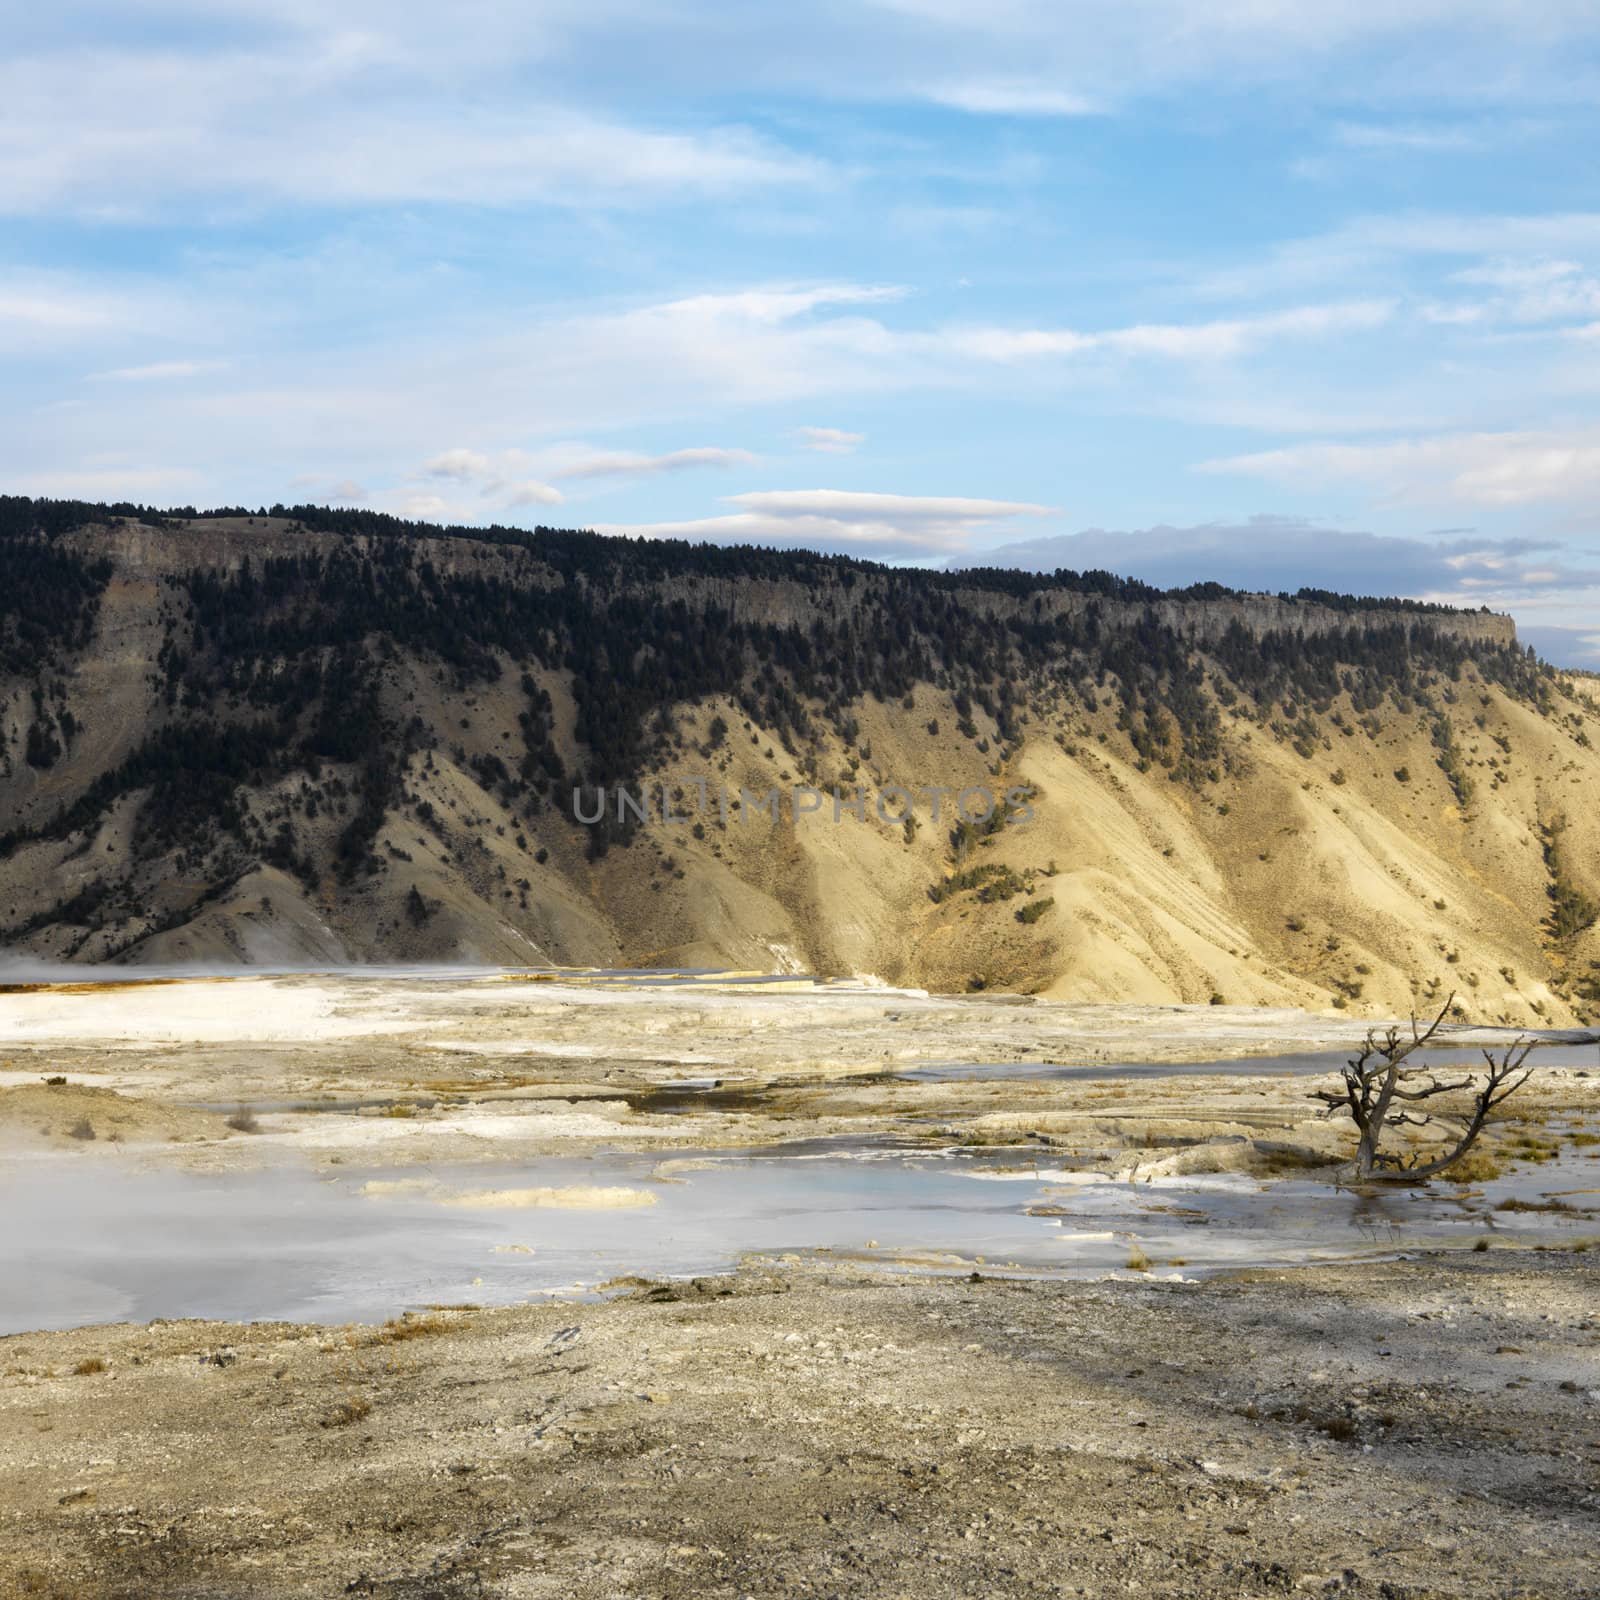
x,y
1381,1092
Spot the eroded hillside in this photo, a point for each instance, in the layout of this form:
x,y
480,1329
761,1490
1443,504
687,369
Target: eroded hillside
x,y
332,737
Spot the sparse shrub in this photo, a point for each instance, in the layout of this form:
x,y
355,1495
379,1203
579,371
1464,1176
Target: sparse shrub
x,y
88,1367
83,1128
1031,913
244,1120
347,1411
410,1325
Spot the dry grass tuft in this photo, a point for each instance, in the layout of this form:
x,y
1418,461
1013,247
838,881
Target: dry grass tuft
x,y
347,1411
1476,1166
398,1330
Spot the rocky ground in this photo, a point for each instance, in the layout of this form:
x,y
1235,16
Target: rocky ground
x,y
339,1069
1421,1427
1424,1428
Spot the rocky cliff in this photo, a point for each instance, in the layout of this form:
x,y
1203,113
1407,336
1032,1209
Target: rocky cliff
x,y
311,737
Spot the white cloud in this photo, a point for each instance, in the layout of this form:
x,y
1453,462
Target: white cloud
x,y
497,478
1491,51
528,493
36,310
1383,243
1503,274
1535,290
624,464
830,441
1493,470
45,310
777,303
908,508
150,485
458,464
119,134
890,526
325,491
155,372
1201,341
483,105
1430,137
1009,97
717,354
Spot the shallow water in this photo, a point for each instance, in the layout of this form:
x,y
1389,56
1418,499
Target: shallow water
x,y
1300,1063
111,1242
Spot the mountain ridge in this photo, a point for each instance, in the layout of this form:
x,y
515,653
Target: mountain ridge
x,y
334,736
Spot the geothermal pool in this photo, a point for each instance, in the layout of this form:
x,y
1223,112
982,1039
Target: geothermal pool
x,y
125,1242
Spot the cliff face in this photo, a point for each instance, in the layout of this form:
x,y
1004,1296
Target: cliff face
x,y
142,551
1206,621
264,742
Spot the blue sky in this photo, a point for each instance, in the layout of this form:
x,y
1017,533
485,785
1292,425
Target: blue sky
x,y
1259,290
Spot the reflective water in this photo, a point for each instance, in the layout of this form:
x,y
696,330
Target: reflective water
x,y
110,1241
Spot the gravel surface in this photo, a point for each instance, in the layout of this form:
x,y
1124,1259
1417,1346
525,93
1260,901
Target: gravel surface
x,y
1424,1427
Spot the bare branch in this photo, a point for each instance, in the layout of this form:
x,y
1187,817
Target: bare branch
x,y
1429,1089
1378,1086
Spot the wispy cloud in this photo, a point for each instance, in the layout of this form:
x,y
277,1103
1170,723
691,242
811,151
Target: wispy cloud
x,y
113,482
1014,97
156,372
459,464
1213,340
57,310
1426,137
126,134
830,441
890,526
500,479
327,491
623,464
1385,243
1493,470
